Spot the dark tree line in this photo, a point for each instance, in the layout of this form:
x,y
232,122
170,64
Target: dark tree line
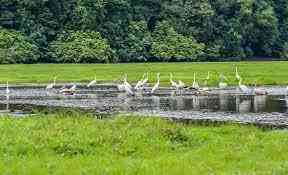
x,y
141,30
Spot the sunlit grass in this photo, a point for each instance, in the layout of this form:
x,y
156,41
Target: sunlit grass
x,y
262,73
75,144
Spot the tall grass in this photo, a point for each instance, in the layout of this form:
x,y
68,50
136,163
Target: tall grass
x,y
79,144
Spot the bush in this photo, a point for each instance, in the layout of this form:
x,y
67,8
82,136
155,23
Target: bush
x,y
168,44
82,47
17,48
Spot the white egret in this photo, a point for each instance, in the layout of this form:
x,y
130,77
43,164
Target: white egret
x,y
178,86
126,83
92,83
121,87
145,81
206,82
207,79
128,90
195,84
173,83
7,88
243,88
181,84
238,77
141,82
222,84
52,85
156,86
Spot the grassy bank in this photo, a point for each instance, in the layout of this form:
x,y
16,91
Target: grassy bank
x,y
84,145
264,73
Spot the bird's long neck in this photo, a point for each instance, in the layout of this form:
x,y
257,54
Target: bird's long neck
x,y
240,82
222,78
54,82
194,77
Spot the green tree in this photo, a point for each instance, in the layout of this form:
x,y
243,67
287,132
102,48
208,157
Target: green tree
x,y
197,19
138,42
15,47
82,47
265,27
168,44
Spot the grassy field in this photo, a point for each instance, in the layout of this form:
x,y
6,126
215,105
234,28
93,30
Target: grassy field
x,y
57,144
263,73
79,144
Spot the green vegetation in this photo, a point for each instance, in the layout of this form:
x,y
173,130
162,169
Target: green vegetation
x,y
199,29
82,47
17,48
262,73
167,43
58,144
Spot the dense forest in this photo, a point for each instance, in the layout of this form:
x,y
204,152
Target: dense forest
x,y
92,31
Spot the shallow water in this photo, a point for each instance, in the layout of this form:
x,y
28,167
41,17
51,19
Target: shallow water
x,y
220,105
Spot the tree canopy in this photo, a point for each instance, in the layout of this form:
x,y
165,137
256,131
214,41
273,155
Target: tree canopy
x,y
146,30
17,48
81,47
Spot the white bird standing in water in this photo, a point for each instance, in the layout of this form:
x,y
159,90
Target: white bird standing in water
x,y
243,88
181,84
126,83
7,88
145,81
92,83
238,77
206,82
173,83
52,85
139,83
142,82
128,90
222,84
125,86
195,84
156,86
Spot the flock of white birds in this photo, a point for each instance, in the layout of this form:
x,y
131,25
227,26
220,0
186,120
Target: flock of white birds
x,y
179,85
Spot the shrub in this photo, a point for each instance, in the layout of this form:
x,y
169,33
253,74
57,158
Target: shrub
x,y
168,44
82,47
15,47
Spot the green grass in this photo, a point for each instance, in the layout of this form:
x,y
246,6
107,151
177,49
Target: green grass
x,y
57,144
264,73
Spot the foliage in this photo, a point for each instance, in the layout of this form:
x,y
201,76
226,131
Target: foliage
x,y
138,42
168,44
227,28
16,48
284,53
82,47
